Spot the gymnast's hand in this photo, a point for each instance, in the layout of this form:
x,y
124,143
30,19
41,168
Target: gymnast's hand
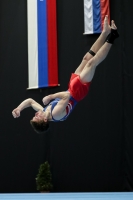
x,y
16,113
46,100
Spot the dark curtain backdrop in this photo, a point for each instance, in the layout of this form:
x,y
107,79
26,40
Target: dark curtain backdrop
x,y
92,150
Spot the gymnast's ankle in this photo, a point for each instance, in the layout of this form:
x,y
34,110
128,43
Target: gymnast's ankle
x,y
112,36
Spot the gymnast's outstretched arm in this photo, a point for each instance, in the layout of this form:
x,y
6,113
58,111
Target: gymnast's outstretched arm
x,y
60,95
25,104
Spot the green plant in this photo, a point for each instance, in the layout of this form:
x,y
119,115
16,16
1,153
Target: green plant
x,y
44,177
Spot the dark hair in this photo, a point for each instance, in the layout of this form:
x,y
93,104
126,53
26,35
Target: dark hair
x,y
40,127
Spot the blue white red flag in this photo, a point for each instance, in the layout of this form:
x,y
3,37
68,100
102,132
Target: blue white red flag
x,y
42,43
94,14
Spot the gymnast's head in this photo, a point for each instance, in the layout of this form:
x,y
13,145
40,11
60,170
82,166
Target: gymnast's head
x,y
40,121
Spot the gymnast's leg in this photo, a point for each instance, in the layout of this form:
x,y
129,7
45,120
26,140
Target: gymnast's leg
x,y
96,46
88,71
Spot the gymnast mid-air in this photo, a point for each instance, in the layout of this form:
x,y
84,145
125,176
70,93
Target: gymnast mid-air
x,y
58,106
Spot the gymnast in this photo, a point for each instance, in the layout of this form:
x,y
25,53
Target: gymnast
x,y
58,106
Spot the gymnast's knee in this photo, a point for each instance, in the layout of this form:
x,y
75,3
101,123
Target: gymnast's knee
x,y
90,54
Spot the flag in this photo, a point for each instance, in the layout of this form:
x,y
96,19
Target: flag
x,y
42,43
94,14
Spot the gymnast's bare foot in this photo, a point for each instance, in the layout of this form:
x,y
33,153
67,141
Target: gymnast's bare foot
x,y
106,26
113,26
113,33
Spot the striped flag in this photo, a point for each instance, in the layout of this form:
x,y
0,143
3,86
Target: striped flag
x,y
42,44
94,13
